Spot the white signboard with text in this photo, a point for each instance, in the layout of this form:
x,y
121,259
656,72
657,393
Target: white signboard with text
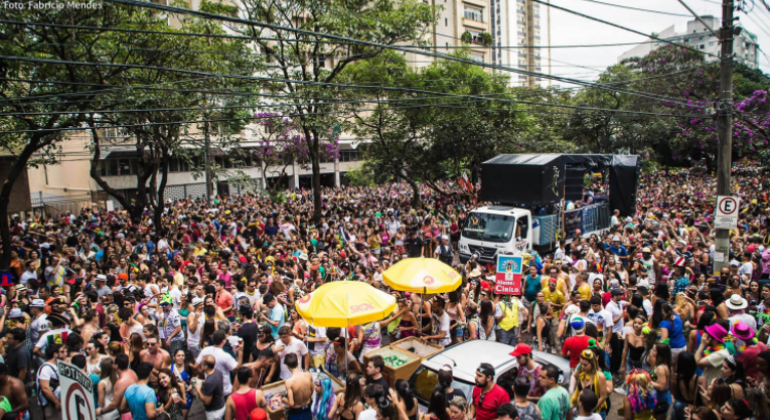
x,y
727,212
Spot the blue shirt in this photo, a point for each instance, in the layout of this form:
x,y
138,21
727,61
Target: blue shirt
x,y
95,380
276,314
675,332
681,284
136,397
620,251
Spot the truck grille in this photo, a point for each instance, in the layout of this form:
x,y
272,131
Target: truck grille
x,y
483,251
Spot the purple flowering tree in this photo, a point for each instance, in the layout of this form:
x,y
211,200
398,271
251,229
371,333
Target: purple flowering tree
x,y
281,144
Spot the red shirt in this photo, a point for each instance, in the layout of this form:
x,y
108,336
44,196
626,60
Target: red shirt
x,y
225,300
749,359
574,345
492,400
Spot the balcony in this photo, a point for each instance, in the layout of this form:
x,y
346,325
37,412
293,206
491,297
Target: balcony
x,y
478,3
474,24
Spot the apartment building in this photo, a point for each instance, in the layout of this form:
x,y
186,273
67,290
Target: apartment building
x,y
745,44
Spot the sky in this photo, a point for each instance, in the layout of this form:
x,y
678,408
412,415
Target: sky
x,y
569,29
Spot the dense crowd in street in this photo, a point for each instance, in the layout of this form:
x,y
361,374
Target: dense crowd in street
x,y
197,319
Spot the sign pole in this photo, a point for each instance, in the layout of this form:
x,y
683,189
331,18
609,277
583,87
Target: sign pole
x,y
724,128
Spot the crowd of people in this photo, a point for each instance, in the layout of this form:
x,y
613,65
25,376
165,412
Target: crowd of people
x,y
195,319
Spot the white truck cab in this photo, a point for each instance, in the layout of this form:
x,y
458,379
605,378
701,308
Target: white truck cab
x,y
496,230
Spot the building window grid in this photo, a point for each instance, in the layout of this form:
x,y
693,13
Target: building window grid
x,y
474,14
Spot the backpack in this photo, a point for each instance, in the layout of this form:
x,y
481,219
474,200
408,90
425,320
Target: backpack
x,y
53,383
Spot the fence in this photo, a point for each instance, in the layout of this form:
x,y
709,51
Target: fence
x,y
53,206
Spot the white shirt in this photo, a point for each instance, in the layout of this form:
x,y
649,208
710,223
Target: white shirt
x,y
647,307
295,346
194,337
443,325
370,414
748,319
38,326
746,269
225,364
616,311
57,336
27,275
602,319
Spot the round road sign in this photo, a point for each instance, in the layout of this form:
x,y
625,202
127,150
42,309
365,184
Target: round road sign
x,y
728,206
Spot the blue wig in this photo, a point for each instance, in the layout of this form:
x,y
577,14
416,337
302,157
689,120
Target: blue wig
x,y
323,402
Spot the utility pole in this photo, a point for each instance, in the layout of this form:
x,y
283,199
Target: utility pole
x,y
724,127
207,153
530,8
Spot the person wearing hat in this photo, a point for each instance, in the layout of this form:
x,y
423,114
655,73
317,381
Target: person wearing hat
x,y
528,369
57,335
39,323
443,251
195,322
748,356
615,343
170,325
575,345
737,306
711,353
617,249
651,265
101,286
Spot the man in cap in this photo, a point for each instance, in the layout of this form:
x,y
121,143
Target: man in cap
x,y
195,322
682,251
170,325
619,250
615,309
528,369
39,324
651,265
101,286
487,395
575,345
443,251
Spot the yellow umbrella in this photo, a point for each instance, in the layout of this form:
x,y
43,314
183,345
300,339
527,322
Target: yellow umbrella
x,y
345,303
422,275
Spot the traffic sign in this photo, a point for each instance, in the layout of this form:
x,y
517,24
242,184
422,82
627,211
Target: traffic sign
x,y
727,212
77,393
508,276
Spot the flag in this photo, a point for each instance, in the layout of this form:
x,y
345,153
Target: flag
x,y
468,184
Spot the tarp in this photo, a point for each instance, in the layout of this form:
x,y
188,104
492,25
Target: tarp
x,y
537,180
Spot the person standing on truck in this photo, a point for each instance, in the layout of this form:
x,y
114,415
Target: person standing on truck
x,y
443,251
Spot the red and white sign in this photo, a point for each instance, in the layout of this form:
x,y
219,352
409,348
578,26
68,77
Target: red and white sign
x,y
727,212
508,276
77,393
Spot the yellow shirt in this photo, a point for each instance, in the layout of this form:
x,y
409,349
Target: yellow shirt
x,y
556,297
559,283
585,291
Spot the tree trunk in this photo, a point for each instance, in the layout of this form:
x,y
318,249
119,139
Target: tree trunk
x,y
416,199
316,184
5,197
161,193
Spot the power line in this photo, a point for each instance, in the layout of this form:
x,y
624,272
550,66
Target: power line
x,y
660,12
298,82
625,28
394,47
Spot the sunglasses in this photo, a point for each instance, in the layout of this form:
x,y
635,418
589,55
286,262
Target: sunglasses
x,y
152,344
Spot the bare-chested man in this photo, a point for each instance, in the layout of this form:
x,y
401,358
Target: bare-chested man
x,y
153,354
299,390
13,389
126,377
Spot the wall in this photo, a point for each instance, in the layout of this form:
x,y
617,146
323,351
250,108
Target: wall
x,y
71,176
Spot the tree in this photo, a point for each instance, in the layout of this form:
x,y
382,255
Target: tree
x,y
422,137
304,65
60,95
157,143
280,146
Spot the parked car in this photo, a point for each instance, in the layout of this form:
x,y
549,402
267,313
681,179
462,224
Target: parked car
x,y
465,358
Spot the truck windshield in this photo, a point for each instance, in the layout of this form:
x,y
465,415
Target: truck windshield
x,y
489,227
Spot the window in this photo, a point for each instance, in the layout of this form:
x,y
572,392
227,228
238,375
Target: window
x,y
702,46
477,57
522,227
476,37
446,22
711,44
473,14
350,155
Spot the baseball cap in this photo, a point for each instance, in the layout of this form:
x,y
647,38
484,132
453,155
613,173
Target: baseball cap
x,y
735,263
258,414
197,301
646,249
520,350
616,238
577,324
616,292
101,277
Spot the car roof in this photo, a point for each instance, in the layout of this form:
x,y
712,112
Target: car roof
x,y
465,358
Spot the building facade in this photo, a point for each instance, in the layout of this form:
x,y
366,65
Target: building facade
x,y
697,36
